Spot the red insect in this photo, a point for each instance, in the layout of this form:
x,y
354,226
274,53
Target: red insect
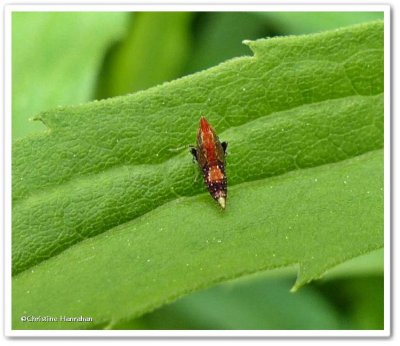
x,y
210,155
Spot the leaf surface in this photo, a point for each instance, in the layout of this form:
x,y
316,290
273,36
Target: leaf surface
x,y
304,122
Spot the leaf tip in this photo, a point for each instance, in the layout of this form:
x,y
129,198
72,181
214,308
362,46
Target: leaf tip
x,y
248,43
297,285
42,118
303,277
255,45
36,118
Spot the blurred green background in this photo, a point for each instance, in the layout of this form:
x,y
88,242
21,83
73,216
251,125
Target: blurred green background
x,y
61,59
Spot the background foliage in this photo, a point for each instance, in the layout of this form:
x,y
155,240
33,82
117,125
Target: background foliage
x,y
132,52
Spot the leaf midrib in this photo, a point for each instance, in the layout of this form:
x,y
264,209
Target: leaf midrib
x,y
38,194
170,196
44,190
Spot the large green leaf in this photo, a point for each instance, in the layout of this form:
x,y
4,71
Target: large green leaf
x,y
304,122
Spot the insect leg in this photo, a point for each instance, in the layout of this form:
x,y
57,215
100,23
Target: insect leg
x,y
224,146
193,151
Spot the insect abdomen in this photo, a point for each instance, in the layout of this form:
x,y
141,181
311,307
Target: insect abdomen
x,y
215,179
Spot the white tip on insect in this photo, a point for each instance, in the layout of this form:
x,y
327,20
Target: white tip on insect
x,y
221,202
